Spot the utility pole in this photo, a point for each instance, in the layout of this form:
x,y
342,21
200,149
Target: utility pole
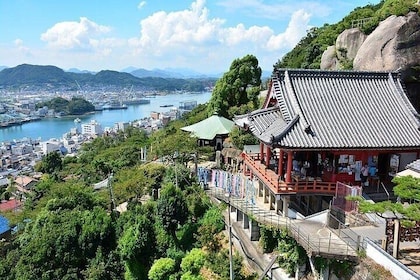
x,y
111,193
176,173
231,275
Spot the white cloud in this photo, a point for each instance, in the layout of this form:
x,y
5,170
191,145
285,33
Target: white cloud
x,y
180,30
296,29
240,35
188,36
21,48
74,35
141,5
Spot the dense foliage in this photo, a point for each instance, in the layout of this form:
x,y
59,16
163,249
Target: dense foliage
x,y
75,106
240,86
307,53
240,137
67,230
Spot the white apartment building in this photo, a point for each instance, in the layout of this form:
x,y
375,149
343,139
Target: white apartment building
x,y
92,128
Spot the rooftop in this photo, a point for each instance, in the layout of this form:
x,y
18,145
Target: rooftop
x,y
336,109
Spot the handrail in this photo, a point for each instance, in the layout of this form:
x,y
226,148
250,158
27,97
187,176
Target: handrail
x,y
273,181
387,193
314,245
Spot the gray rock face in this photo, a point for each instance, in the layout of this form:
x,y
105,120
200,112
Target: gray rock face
x,y
348,43
394,44
346,46
329,59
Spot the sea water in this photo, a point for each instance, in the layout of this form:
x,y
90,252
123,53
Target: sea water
x,y
48,128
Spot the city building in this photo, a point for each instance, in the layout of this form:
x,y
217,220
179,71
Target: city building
x,y
92,128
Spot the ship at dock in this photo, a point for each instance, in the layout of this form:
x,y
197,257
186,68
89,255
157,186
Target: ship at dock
x,y
137,101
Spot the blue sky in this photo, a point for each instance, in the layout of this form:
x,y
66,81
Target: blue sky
x,y
204,36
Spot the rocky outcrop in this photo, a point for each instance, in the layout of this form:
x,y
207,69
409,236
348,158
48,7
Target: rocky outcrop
x,y
329,59
394,44
348,43
344,51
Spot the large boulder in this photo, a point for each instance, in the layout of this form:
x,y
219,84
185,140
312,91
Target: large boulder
x,y
345,49
348,43
329,59
394,44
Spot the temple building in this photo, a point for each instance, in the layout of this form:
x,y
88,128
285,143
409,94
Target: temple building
x,y
211,131
319,132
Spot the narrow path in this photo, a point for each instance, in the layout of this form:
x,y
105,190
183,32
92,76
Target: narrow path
x,y
314,237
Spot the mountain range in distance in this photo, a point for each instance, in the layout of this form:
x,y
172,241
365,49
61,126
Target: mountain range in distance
x,y
31,78
42,77
176,73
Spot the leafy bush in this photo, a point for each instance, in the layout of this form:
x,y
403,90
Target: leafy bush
x,y
291,254
162,269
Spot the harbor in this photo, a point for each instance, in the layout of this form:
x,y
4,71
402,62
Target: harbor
x,y
53,127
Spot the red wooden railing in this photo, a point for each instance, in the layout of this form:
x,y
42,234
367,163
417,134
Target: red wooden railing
x,y
278,186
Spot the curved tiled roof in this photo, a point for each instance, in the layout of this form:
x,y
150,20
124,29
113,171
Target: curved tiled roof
x,y
339,110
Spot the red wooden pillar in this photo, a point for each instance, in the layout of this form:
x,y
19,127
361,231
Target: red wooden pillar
x,y
261,152
280,164
289,167
268,156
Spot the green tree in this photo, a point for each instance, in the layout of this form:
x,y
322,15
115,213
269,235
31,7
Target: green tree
x,y
240,85
79,106
211,225
50,163
407,188
405,211
291,254
177,174
193,261
173,144
172,209
60,243
162,269
136,245
240,137
131,183
155,172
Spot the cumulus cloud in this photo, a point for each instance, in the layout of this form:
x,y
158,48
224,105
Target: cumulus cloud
x,y
296,29
193,34
164,31
141,5
190,38
75,35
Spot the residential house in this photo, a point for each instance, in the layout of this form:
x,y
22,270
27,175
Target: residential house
x,y
24,184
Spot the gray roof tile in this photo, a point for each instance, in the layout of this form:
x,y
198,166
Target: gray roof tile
x,y
337,109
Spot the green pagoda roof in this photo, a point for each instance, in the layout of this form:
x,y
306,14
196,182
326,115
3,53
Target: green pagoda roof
x,y
209,128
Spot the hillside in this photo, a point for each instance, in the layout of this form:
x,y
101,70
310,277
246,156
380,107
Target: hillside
x,y
307,53
51,77
391,47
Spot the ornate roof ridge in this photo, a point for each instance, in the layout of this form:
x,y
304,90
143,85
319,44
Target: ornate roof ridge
x,y
281,72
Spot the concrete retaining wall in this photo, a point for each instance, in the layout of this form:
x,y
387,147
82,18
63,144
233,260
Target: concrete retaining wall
x,y
397,269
